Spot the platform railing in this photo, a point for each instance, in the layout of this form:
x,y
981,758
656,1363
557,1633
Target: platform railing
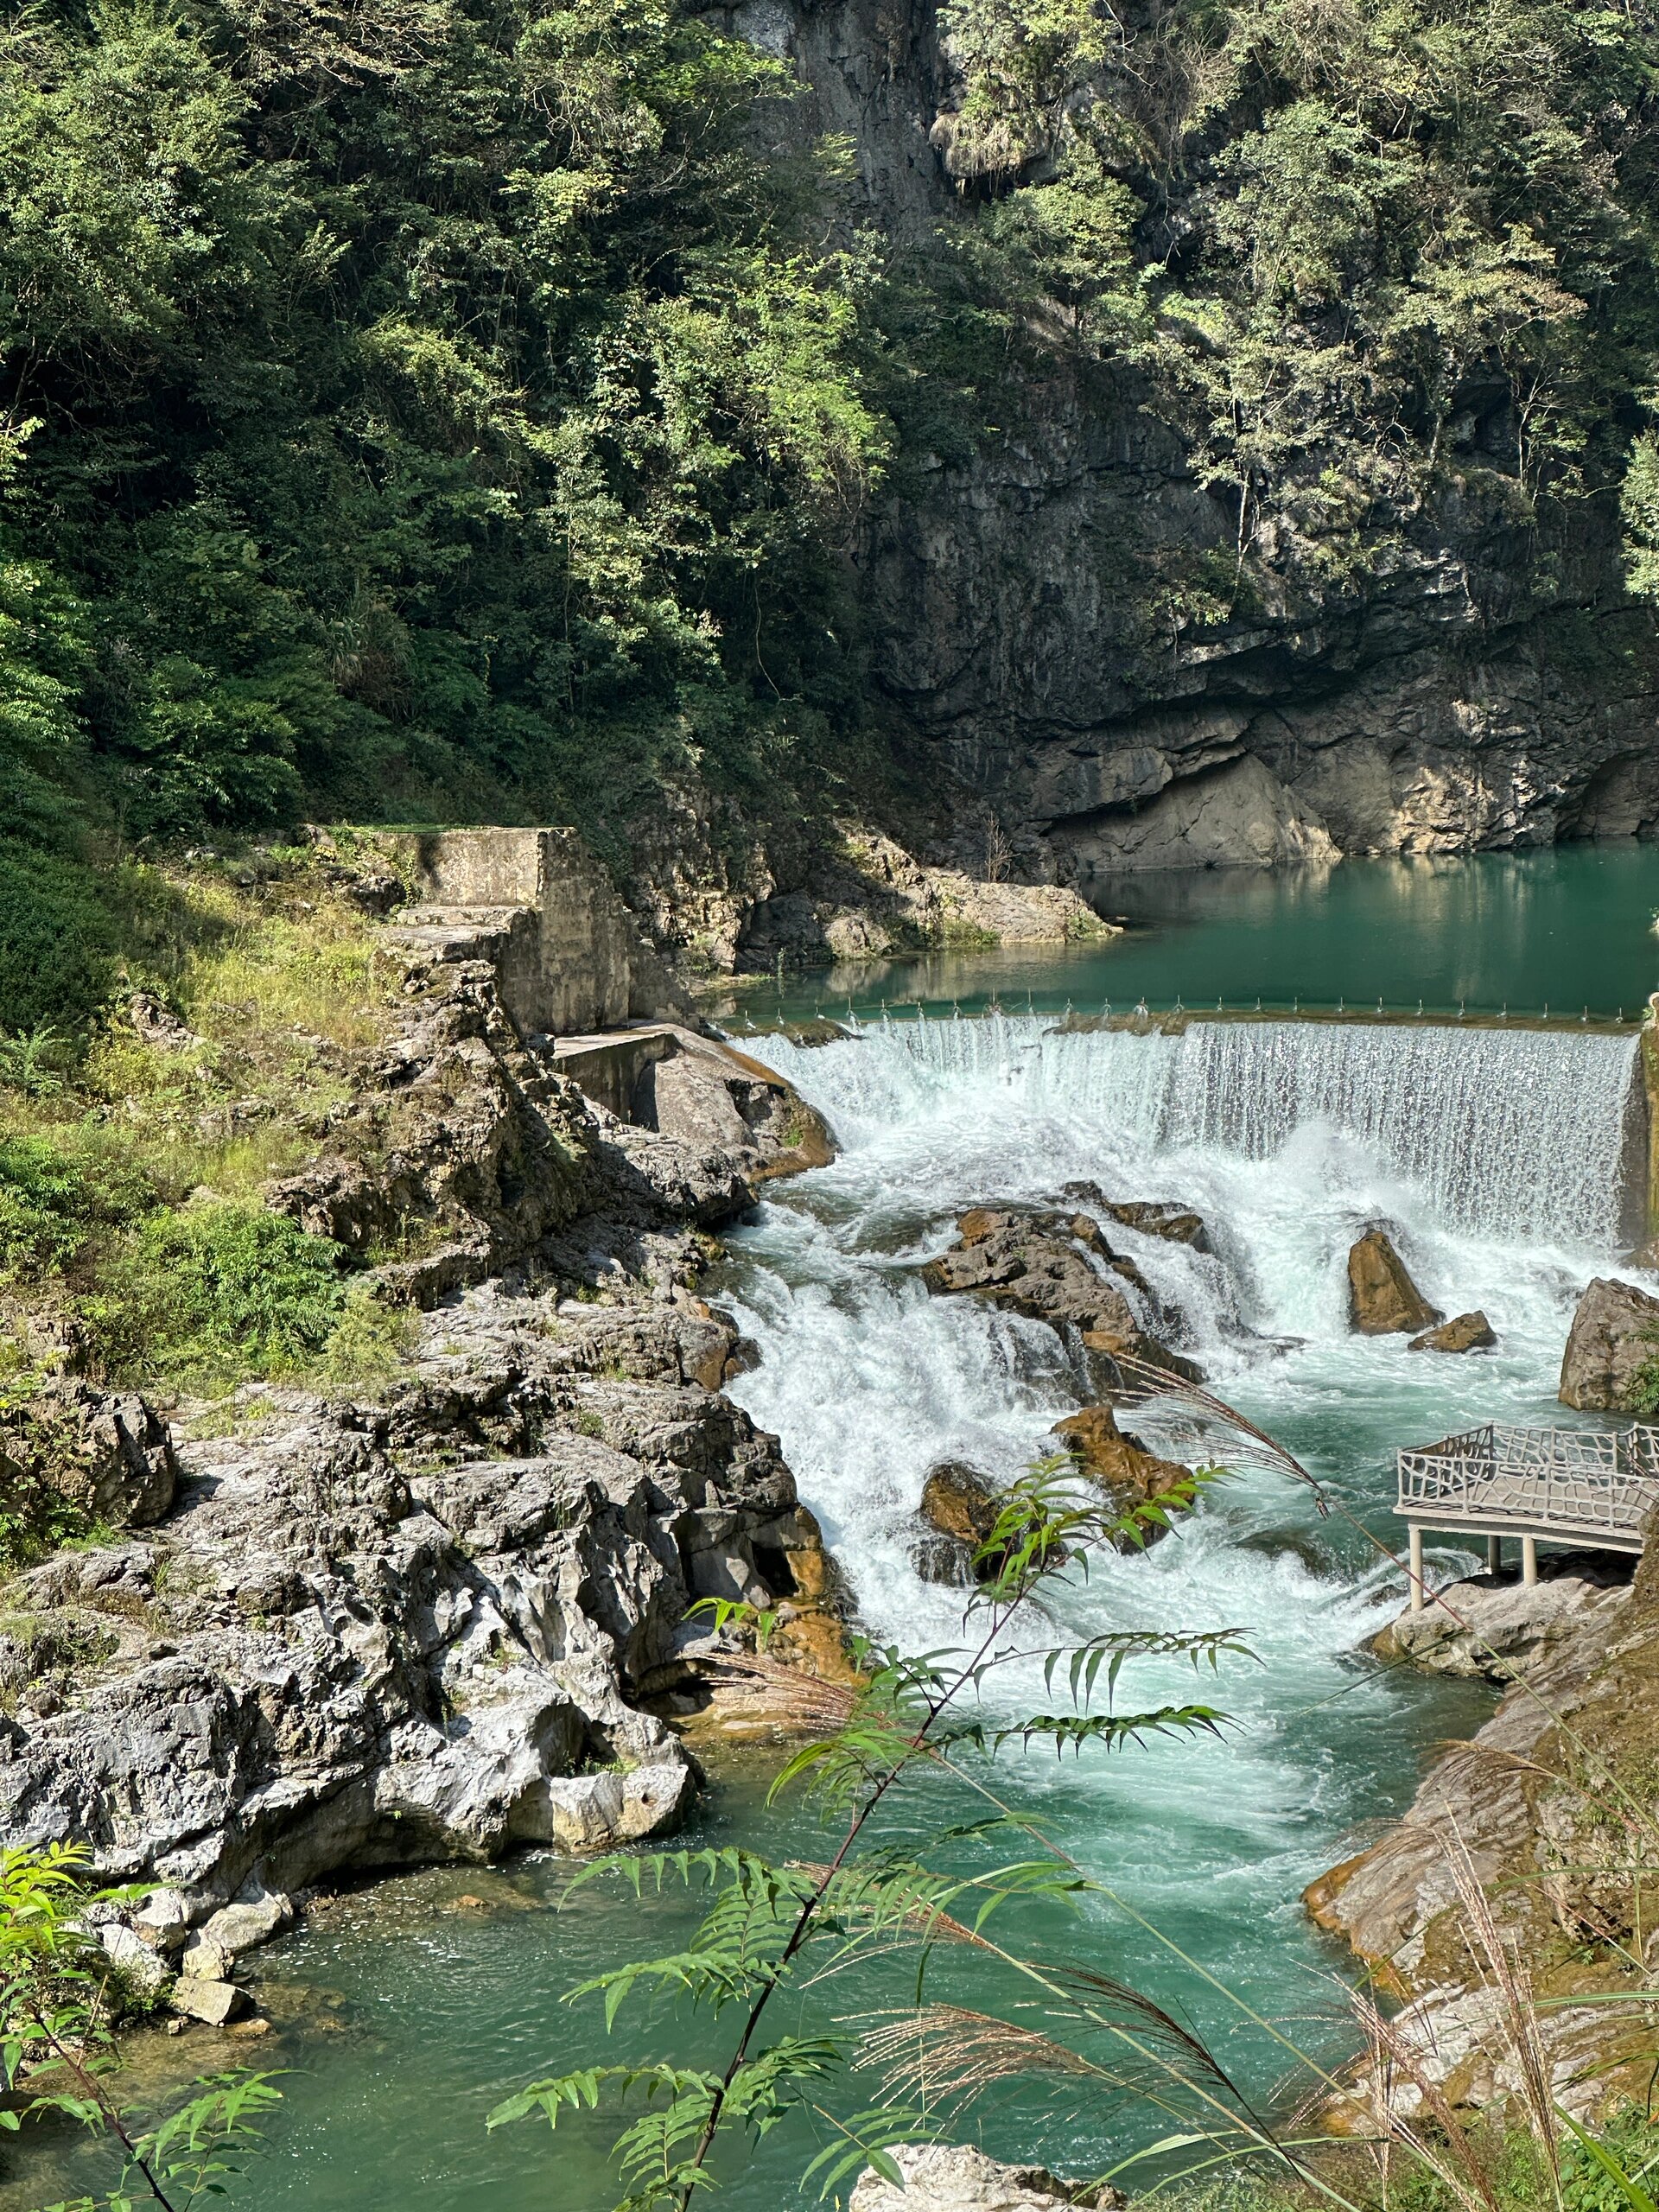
x,y
1592,1487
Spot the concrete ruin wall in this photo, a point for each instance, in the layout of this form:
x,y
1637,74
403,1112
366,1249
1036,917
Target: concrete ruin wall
x,y
570,956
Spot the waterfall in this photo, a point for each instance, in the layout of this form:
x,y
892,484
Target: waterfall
x,y
1505,1133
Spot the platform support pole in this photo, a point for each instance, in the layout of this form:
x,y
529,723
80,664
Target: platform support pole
x,y
1494,1555
1416,1568
1529,1561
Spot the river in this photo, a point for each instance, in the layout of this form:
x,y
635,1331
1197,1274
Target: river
x,y
1495,1154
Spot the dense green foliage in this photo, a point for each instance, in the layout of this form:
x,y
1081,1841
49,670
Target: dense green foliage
x,y
439,408
1371,259
408,406
205,1292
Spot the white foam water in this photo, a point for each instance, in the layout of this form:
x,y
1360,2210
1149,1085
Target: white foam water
x,y
1495,1158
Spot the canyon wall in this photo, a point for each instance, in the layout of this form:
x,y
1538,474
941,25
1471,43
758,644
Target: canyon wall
x,y
1488,684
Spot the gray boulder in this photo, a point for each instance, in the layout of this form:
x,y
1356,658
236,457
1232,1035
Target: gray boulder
x,y
1490,1628
1615,1335
954,2177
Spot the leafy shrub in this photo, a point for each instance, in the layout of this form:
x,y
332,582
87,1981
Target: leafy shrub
x,y
369,1340
56,941
207,1295
54,1191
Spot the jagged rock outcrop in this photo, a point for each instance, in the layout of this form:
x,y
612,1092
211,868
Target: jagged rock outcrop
x,y
369,1635
1492,1627
955,2177
1056,1267
1382,1300
102,1452
869,898
1615,1335
1164,1217
1522,1812
471,1145
1464,1333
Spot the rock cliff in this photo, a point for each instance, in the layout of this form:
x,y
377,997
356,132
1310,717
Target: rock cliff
x,y
1488,684
1547,1815
442,1614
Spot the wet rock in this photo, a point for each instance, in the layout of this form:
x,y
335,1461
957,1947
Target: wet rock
x,y
214,2003
819,1031
1117,1464
953,2177
1490,1627
1614,1336
1056,1267
1463,1332
958,1501
1164,1217
960,1506
1382,1300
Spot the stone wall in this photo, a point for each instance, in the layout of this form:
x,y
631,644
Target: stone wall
x,y
539,906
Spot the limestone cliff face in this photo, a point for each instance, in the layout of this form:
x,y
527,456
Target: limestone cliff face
x,y
1492,687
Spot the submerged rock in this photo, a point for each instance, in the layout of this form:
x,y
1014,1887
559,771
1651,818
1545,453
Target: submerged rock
x,y
1615,1335
1382,1300
1463,1332
954,2177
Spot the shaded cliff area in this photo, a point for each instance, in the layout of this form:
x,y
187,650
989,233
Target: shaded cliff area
x,y
1043,438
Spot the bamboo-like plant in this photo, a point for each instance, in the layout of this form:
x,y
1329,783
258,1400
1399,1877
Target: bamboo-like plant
x,y
769,1928
58,2047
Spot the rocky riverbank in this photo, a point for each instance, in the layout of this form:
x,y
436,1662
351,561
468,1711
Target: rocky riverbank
x,y
322,1631
1548,1816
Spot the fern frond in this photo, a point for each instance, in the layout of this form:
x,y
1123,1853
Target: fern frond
x,y
1115,1647
1070,1731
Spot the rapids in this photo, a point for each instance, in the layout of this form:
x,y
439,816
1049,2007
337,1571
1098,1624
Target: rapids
x,y
1497,1157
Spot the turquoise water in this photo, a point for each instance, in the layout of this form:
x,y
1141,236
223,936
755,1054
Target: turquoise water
x,y
1566,929
1495,1156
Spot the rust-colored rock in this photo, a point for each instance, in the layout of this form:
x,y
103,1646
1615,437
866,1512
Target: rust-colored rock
x,y
1382,1300
1463,1332
1118,1464
958,1501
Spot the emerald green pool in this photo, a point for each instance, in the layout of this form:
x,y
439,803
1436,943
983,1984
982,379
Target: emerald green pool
x,y
1565,930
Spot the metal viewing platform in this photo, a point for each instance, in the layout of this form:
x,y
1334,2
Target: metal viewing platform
x,y
1591,1489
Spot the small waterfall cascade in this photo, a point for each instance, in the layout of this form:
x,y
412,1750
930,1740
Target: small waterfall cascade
x,y
1507,1133
1497,1157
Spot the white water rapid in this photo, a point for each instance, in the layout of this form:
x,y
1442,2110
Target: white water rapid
x,y
1495,1157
